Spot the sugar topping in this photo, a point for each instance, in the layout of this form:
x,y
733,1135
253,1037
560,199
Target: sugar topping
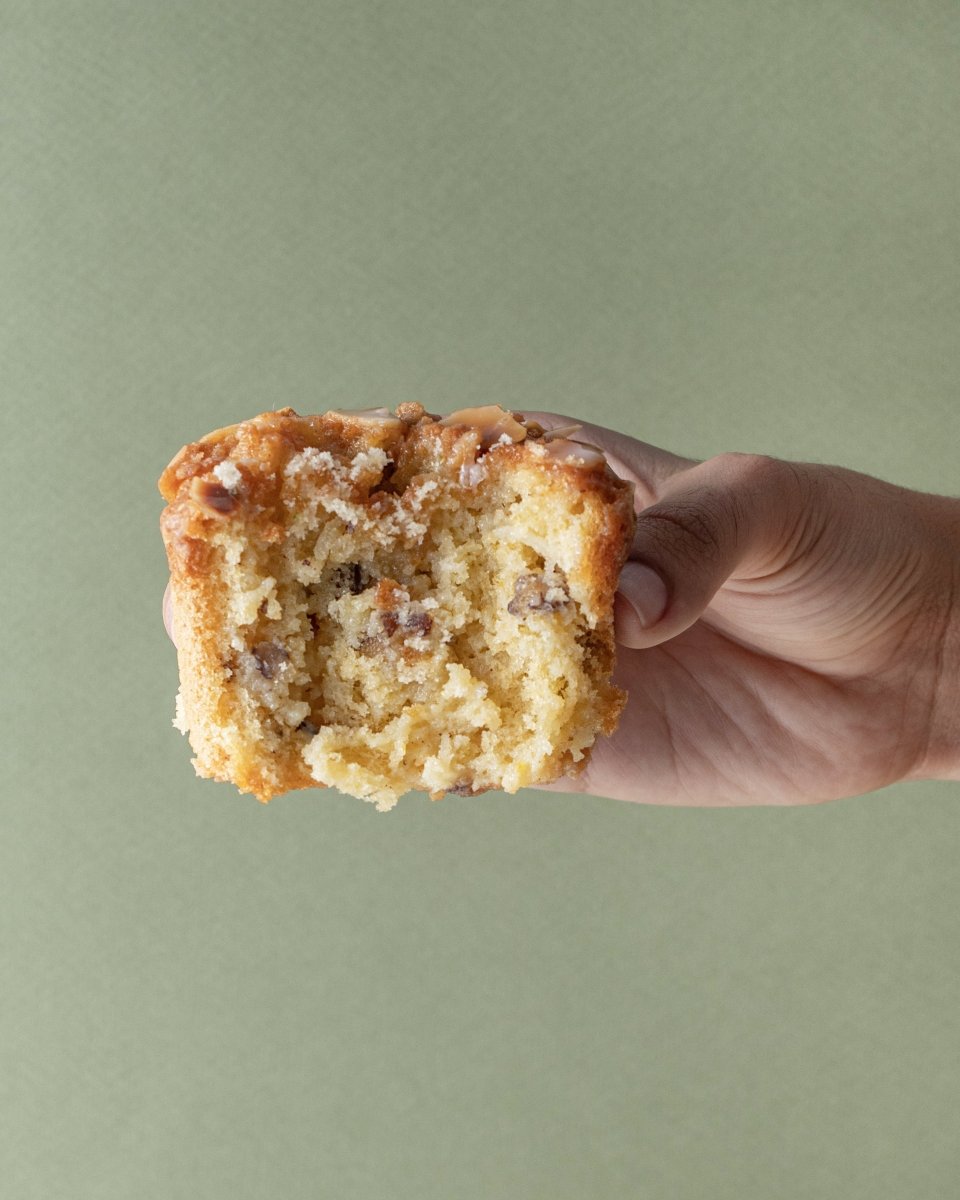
x,y
229,475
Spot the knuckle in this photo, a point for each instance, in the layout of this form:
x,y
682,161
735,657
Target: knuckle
x,y
732,501
773,502
742,465
759,481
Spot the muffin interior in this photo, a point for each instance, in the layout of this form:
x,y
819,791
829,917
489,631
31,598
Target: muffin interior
x,y
414,629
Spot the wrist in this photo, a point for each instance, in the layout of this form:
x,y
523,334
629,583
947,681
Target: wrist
x,y
940,757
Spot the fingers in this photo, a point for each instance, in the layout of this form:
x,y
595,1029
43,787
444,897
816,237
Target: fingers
x,y
731,514
168,614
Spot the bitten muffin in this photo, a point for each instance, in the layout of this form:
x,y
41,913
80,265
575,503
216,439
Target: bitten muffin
x,y
391,602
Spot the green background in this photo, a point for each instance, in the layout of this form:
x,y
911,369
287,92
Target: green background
x,y
716,224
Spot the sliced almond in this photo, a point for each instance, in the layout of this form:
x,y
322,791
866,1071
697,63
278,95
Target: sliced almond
x,y
493,422
374,416
561,431
563,450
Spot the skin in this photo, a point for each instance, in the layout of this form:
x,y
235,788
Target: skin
x,y
803,643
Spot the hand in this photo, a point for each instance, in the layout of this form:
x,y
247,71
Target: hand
x,y
796,649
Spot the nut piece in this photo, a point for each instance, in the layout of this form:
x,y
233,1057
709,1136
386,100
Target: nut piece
x,y
220,435
493,422
534,594
462,788
413,623
374,645
576,453
370,416
211,495
269,657
419,623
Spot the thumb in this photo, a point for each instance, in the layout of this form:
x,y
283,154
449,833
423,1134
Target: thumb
x,y
730,515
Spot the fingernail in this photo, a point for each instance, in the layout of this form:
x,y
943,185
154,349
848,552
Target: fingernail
x,y
645,592
168,614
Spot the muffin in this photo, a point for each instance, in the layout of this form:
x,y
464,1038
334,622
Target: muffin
x,y
384,602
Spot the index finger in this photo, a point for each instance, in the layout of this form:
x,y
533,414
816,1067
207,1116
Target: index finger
x,y
646,466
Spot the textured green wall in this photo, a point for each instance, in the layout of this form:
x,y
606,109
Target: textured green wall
x,y
717,224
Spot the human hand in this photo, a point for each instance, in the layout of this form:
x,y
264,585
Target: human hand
x,y
803,645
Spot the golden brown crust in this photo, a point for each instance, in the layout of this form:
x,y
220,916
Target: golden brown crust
x,y
234,479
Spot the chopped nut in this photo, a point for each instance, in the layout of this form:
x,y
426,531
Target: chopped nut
x,y
212,495
269,657
532,593
389,595
372,645
418,622
220,435
462,788
308,727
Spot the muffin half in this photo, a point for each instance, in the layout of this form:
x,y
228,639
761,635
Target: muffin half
x,y
392,602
